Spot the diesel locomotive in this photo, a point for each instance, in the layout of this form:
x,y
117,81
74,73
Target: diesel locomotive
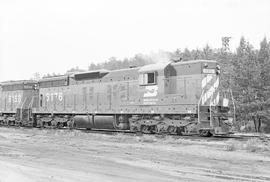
x,y
172,97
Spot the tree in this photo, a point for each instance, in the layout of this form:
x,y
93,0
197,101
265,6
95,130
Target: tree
x,y
74,70
208,53
263,95
245,84
187,55
251,82
113,63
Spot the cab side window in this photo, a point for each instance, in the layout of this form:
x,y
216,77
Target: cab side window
x,y
147,78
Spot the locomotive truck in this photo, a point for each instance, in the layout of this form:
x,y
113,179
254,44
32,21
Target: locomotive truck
x,y
172,97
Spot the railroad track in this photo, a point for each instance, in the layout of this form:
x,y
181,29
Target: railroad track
x,y
129,133
192,136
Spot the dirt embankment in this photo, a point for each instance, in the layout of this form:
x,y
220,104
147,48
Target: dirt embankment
x,y
61,155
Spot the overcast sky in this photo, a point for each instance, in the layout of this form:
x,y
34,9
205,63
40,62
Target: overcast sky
x,y
55,35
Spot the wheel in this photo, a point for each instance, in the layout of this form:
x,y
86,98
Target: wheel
x,y
71,124
179,131
161,128
205,133
144,129
39,124
154,129
60,125
134,128
54,123
171,129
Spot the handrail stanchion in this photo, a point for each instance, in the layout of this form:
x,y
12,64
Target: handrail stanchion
x,y
199,119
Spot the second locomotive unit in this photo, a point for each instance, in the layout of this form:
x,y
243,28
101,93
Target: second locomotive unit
x,y
172,97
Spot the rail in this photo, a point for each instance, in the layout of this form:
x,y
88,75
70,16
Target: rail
x,y
185,136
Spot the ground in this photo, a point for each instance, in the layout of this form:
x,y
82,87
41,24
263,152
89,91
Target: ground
x,y
64,155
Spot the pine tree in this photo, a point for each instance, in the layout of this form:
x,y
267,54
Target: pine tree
x,y
263,105
245,82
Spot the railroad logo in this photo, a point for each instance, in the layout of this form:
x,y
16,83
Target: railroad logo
x,y
151,91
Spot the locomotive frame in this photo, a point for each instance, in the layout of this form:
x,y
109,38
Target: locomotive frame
x,y
172,97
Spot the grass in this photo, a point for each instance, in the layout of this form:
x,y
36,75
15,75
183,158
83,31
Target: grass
x,y
146,139
231,146
254,145
251,145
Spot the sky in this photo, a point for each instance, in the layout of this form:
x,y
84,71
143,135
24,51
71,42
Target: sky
x,y
53,36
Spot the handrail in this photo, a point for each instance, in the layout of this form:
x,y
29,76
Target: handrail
x,y
31,103
199,106
234,115
210,107
22,108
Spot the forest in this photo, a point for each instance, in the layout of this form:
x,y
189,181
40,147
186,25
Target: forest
x,y
246,71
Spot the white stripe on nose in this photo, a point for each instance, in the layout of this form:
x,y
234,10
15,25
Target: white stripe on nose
x,y
210,92
206,80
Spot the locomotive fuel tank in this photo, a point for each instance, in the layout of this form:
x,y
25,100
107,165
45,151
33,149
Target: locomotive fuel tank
x,y
104,122
110,122
83,121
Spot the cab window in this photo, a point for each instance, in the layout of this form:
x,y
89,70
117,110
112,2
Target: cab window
x,y
147,78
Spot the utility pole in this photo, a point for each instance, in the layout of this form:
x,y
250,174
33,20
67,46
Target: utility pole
x,y
225,44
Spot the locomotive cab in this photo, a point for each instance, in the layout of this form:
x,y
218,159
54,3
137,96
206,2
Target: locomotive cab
x,y
153,79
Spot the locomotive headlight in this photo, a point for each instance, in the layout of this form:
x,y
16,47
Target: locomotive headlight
x,y
205,65
217,69
35,86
